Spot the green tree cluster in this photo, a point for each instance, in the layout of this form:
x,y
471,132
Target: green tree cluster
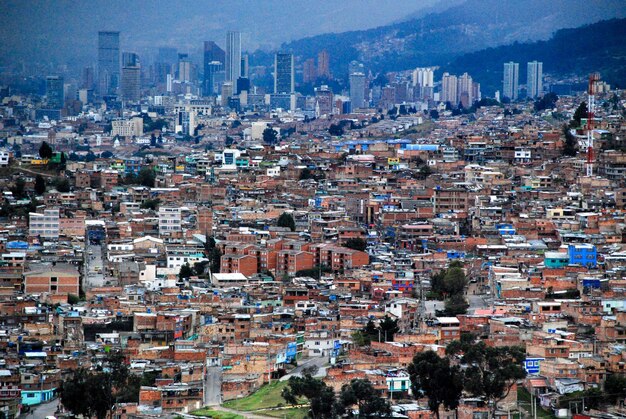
x,y
358,399
450,284
356,243
286,220
384,332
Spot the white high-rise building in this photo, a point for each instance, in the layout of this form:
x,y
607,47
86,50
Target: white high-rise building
x,y
511,80
449,89
465,90
233,56
44,225
424,79
170,220
534,79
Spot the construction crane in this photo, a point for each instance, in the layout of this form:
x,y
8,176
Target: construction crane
x,y
593,79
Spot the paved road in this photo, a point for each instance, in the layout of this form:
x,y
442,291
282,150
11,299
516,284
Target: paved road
x,y
43,410
94,264
319,362
213,386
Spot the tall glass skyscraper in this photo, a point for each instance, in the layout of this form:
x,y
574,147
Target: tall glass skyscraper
x,y
357,90
233,56
214,58
108,62
283,73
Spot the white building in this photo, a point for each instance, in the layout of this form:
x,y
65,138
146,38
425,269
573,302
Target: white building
x,y
44,225
4,158
127,127
170,220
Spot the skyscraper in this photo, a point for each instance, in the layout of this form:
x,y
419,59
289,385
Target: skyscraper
x,y
214,59
323,64
54,92
283,73
131,77
245,66
308,71
423,79
233,56
534,79
108,62
464,91
357,90
448,89
510,80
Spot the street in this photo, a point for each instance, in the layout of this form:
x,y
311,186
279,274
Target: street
x,y
213,386
43,410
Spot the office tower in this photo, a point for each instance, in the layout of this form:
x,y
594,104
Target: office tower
x,y
283,73
510,80
357,90
355,67
423,80
214,59
54,92
243,85
448,89
323,64
464,91
88,78
245,66
227,92
476,94
108,62
131,77
308,71
534,79
185,70
233,56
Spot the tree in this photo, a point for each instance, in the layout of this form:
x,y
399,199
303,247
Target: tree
x,y
185,272
270,136
491,371
323,403
388,328
455,305
18,188
63,162
40,185
359,338
146,177
450,282
306,174
571,145
45,151
106,154
286,220
62,184
151,204
548,101
434,377
362,394
580,113
615,388
356,243
335,130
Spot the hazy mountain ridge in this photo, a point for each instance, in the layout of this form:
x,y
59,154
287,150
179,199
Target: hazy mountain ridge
x,y
438,37
597,47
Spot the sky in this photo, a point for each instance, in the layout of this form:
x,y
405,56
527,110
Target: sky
x,y
61,31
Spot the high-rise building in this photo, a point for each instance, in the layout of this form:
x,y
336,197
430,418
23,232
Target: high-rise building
x,y
323,101
88,78
245,66
108,62
448,89
131,77
534,79
214,59
357,90
54,92
464,91
423,80
185,68
323,64
308,71
510,80
233,56
283,73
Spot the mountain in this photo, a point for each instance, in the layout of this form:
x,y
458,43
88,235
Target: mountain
x,y
467,27
597,47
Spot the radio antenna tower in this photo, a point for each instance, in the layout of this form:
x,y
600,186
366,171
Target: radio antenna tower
x,y
593,78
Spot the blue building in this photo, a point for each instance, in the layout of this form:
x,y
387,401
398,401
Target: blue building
x,y
583,254
532,365
132,165
555,260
